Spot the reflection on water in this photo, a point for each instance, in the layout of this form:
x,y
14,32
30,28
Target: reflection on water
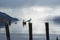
x,y
26,37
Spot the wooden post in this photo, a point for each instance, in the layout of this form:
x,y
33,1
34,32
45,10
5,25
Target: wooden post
x,y
30,31
56,38
47,30
7,31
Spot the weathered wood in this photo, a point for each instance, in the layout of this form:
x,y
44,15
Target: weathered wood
x,y
30,31
47,30
7,31
57,38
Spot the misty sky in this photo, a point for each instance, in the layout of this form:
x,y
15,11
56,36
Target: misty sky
x,y
39,10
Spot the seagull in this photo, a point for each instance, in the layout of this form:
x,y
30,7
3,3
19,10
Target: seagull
x,y
29,20
24,22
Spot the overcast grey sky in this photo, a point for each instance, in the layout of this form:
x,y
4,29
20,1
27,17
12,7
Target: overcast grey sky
x,y
22,3
39,10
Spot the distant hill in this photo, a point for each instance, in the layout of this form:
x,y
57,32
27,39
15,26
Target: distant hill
x,y
6,16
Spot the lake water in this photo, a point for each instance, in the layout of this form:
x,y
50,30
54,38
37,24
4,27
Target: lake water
x,y
19,36
15,30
